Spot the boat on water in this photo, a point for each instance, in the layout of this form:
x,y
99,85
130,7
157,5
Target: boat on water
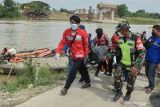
x,y
42,56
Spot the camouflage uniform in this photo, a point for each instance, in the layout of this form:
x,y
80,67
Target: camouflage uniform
x,y
125,70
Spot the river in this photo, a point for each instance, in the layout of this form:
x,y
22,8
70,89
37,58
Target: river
x,y
46,34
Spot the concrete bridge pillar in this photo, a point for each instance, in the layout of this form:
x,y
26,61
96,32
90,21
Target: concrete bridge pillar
x,y
103,9
112,14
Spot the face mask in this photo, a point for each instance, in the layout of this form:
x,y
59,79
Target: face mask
x,y
99,34
74,26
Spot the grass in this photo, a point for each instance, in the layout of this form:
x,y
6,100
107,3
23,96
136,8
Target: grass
x,y
28,77
138,20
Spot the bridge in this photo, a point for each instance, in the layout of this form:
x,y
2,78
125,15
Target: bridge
x,y
106,11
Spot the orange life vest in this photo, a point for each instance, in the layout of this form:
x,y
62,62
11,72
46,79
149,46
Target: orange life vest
x,y
102,40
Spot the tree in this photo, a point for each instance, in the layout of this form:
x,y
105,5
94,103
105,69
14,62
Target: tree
x,y
122,10
36,8
2,11
10,9
140,11
9,5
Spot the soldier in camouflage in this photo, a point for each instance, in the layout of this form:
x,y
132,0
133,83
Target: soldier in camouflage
x,y
127,68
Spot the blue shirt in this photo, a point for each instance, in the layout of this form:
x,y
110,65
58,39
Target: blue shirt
x,y
153,52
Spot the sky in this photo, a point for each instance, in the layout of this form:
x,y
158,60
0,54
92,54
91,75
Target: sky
x,y
133,5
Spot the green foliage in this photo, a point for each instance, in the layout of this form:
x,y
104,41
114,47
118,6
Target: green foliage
x,y
65,10
9,87
2,11
36,8
44,76
28,77
122,10
29,71
9,5
9,9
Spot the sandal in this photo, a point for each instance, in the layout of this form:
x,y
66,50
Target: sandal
x,y
63,92
86,85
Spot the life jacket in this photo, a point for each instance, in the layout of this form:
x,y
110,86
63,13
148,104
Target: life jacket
x,y
126,48
115,39
102,41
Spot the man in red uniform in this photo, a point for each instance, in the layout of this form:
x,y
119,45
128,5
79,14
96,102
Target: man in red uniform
x,y
77,40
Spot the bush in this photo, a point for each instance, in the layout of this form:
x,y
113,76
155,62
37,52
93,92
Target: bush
x,y
28,76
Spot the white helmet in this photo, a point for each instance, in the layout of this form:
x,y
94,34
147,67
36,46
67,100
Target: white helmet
x,y
11,51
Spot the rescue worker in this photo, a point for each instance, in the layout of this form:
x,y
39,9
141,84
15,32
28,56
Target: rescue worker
x,y
127,45
152,57
77,40
101,39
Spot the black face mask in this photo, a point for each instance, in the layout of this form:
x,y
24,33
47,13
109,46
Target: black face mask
x,y
153,34
99,35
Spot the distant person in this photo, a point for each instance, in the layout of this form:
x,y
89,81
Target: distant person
x,y
90,42
152,57
77,40
143,36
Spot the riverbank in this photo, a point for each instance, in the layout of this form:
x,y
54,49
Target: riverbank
x,y
132,20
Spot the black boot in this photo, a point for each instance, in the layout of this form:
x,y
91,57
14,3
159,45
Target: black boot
x,y
117,96
127,96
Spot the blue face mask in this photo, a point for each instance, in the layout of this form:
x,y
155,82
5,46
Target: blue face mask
x,y
74,26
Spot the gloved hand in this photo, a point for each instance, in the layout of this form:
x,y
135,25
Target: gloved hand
x,y
56,56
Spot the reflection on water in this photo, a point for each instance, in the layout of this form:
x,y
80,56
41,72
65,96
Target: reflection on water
x,y
39,34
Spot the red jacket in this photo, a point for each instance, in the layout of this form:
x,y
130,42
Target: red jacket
x,y
115,39
79,48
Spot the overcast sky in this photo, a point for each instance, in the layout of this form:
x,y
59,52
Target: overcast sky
x,y
133,5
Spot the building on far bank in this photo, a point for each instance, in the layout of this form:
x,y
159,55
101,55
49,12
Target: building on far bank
x,y
105,12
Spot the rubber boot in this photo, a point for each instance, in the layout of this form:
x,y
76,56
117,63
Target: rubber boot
x,y
127,96
117,96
